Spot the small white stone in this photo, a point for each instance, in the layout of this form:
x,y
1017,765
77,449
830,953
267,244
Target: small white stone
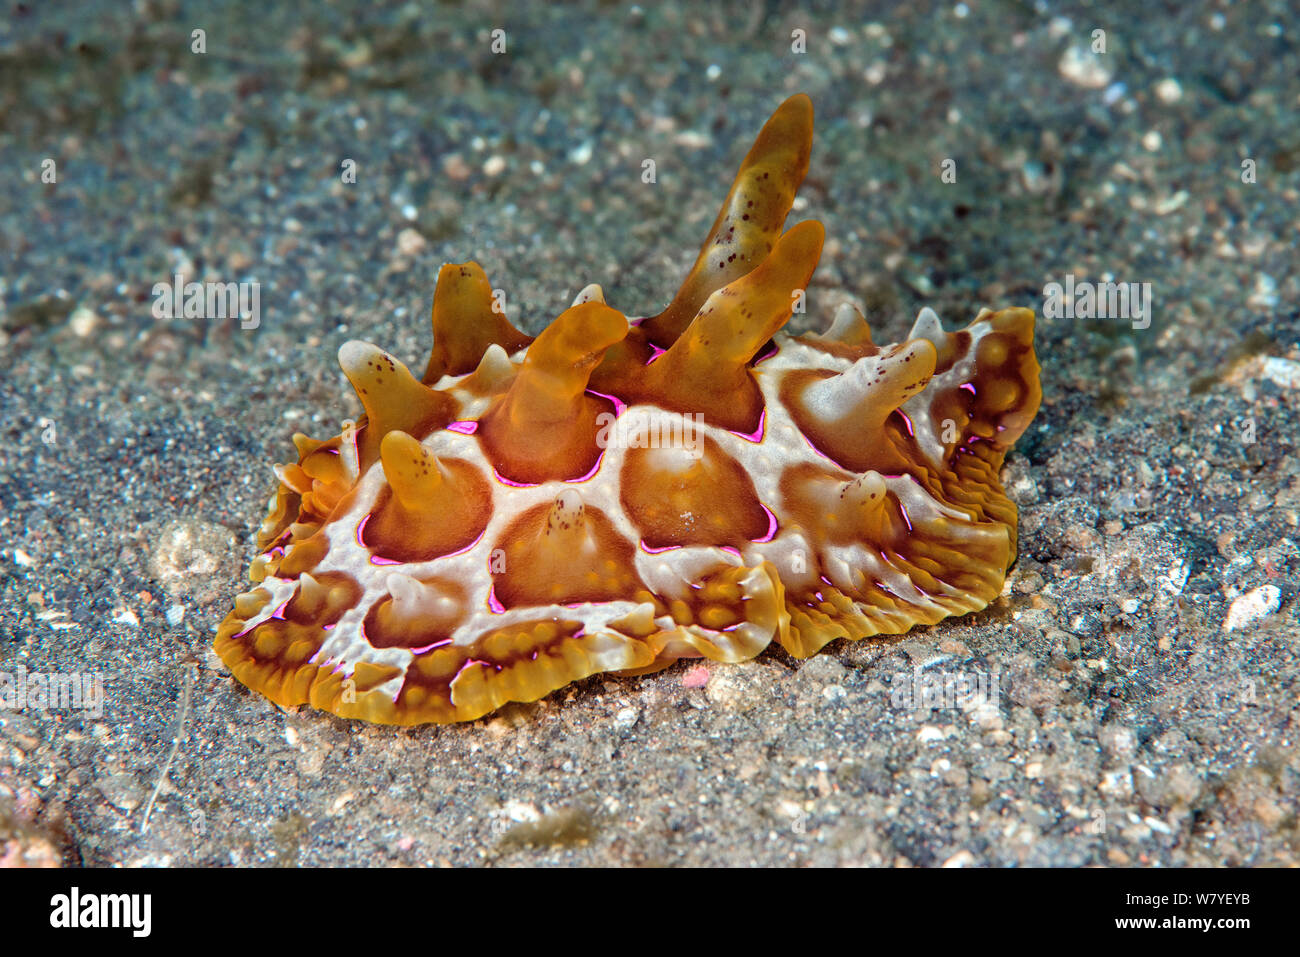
x,y
175,614
1169,90
522,812
1264,295
83,321
1084,68
1253,606
125,616
693,139
410,242
987,716
495,165
1282,372
581,154
1118,783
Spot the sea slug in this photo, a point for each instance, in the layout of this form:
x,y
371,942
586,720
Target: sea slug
x,y
611,496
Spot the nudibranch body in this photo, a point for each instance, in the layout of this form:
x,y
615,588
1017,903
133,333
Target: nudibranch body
x,y
611,496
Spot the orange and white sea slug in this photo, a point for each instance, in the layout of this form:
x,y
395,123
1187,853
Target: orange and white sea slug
x,y
611,496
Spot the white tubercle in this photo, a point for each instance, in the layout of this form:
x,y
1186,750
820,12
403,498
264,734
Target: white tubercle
x,y
589,293
928,326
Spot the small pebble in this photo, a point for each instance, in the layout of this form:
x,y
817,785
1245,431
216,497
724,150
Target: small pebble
x,y
1080,66
1252,606
1282,372
455,167
696,677
83,322
1169,90
125,616
410,242
581,154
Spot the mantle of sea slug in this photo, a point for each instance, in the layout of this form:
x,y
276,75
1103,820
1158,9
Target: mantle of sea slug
x,y
782,445
670,568
473,540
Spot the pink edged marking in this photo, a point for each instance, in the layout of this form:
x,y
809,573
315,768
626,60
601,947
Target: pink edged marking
x,y
810,445
655,551
619,405
771,526
505,481
757,435
278,613
474,661
594,469
469,547
427,648
464,426
907,422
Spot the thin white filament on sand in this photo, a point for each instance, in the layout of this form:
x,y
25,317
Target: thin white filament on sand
x,y
176,744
